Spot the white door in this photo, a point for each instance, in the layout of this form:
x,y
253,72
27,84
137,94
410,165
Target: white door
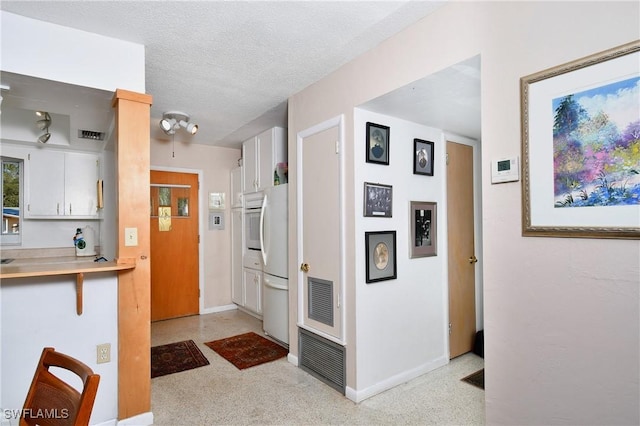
x,y
319,231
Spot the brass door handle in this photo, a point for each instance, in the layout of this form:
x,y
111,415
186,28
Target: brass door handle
x,y
473,259
304,267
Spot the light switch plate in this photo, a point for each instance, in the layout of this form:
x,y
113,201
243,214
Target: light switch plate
x,y
131,237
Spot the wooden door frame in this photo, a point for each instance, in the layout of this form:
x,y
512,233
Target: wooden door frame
x,y
477,225
201,219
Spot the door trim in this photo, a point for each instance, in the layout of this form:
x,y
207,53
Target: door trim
x,y
477,223
337,121
201,222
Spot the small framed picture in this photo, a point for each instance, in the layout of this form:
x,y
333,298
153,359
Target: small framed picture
x,y
422,157
424,223
377,144
378,200
381,255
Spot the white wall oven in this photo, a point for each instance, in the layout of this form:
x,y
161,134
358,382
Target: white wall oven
x,y
253,206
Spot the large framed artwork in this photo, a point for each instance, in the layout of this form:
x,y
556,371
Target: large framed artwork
x,y
381,256
424,241
377,143
581,147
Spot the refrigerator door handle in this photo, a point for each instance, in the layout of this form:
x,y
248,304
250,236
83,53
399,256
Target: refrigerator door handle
x,y
262,213
268,283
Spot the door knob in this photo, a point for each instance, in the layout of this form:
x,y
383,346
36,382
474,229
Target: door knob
x,y
473,259
304,267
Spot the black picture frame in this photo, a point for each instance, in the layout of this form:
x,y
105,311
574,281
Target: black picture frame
x,y
423,157
381,256
378,200
424,226
377,147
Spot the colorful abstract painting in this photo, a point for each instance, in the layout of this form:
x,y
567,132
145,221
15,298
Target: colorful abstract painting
x,y
596,146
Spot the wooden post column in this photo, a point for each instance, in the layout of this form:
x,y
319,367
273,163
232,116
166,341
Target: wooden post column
x,y
132,112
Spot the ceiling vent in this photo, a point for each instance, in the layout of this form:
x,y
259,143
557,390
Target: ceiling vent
x,y
90,134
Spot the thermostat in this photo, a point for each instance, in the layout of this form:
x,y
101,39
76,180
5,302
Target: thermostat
x,y
505,170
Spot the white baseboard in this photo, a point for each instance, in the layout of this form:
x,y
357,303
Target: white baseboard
x,y
293,359
215,309
144,419
360,395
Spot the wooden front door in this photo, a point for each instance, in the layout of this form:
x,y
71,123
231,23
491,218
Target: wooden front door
x,y
174,245
462,259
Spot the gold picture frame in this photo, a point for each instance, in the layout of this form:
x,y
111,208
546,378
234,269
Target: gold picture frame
x,y
580,174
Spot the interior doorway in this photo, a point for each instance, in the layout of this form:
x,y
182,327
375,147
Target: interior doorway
x,y
461,248
174,215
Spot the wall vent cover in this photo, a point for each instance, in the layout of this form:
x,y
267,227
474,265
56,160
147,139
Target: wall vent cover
x,y
90,134
323,359
320,300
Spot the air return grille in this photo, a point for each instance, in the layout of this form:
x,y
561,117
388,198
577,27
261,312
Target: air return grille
x,y
320,300
323,359
90,134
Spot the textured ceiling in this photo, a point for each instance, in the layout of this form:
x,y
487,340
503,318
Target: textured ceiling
x,y
232,65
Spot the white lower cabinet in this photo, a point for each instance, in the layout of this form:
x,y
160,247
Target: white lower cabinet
x,y
252,280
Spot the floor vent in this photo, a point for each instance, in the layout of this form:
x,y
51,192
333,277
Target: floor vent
x,y
323,359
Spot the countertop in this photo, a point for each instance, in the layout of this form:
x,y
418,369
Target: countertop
x,y
39,267
27,263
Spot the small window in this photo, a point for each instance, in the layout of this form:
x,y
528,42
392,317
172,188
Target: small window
x,y
11,200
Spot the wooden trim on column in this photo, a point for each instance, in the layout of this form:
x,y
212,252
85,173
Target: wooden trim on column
x,y
132,112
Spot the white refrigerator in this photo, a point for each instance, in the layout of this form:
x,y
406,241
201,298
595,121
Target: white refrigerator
x,y
274,247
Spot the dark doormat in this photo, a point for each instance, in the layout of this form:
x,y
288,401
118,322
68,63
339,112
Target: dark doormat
x,y
176,357
247,350
475,379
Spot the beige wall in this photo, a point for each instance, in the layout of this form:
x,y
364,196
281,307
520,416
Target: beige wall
x,y
561,315
216,164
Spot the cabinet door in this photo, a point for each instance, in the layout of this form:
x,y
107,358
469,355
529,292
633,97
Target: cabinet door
x,y
271,151
236,187
265,159
81,176
237,294
252,288
44,183
249,165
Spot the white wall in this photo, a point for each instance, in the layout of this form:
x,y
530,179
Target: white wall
x,y
41,312
561,325
414,302
51,52
216,164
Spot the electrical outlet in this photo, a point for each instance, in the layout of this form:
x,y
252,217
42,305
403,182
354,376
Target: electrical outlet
x,y
104,353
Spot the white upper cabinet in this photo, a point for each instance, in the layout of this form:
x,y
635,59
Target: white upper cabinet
x,y
261,155
236,187
61,185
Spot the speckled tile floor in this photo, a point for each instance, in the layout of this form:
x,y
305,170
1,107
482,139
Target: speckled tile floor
x,y
279,393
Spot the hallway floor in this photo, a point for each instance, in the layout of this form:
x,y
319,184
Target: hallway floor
x,y
279,393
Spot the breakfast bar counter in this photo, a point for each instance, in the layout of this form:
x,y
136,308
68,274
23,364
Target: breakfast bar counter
x,y
24,266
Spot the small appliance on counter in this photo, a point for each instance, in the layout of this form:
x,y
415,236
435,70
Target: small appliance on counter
x,y
84,240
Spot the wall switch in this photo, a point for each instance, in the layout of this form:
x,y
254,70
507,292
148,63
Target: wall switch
x,y
103,353
130,236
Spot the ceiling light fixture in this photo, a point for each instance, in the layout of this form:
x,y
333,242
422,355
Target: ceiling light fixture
x,y
43,124
173,120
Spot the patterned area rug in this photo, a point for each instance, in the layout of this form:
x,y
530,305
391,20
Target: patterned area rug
x,y
176,357
475,379
247,350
